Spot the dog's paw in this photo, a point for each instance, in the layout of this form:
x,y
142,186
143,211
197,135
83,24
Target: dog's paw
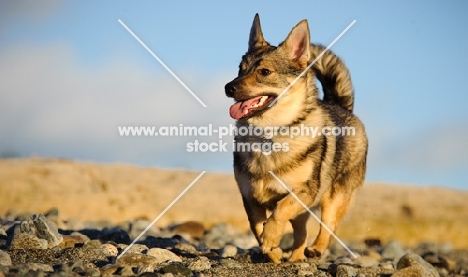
x,y
297,256
275,255
312,252
271,236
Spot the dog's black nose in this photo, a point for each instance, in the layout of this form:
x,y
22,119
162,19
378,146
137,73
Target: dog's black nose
x,y
230,89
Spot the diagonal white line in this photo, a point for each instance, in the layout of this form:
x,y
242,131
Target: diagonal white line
x,y
161,62
162,213
310,65
313,214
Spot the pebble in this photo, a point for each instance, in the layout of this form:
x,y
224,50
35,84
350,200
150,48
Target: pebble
x,y
34,267
220,251
137,248
193,228
323,266
27,241
136,227
34,233
93,244
176,269
229,263
5,259
46,230
161,255
412,264
345,271
70,241
343,260
366,261
109,249
220,235
245,241
115,234
393,251
109,269
229,251
185,249
144,269
200,264
133,259
126,271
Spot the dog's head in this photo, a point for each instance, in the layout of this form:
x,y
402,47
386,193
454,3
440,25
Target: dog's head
x,y
266,71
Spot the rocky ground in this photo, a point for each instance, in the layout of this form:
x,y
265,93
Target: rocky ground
x,y
100,209
44,245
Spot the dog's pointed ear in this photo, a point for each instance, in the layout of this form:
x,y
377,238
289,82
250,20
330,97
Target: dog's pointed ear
x,y
256,39
297,44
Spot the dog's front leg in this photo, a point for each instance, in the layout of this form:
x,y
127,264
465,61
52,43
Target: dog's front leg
x,y
286,209
256,215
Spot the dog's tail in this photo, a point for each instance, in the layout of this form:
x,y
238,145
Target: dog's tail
x,y
332,73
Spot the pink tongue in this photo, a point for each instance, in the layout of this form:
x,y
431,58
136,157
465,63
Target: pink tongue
x,y
238,109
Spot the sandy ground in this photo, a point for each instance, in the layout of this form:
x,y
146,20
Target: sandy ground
x,y
117,192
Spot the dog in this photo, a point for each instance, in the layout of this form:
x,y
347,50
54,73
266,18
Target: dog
x,y
323,170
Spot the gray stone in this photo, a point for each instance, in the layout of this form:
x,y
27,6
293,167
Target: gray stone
x,y
245,241
229,263
220,235
393,251
46,230
185,248
366,261
31,234
412,264
229,251
162,255
5,259
202,263
346,271
343,260
323,266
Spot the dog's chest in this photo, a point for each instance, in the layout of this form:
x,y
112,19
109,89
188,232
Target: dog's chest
x,y
268,192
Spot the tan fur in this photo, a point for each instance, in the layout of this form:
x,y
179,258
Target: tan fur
x,y
321,171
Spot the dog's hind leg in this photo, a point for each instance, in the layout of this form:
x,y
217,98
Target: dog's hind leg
x,y
334,207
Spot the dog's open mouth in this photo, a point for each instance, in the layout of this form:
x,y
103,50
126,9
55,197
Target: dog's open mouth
x,y
245,108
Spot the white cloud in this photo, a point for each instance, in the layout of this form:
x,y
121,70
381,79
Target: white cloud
x,y
51,103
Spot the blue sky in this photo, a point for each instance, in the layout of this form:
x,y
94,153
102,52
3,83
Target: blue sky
x,y
70,74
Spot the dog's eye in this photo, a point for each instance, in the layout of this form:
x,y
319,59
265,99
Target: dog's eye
x,y
264,71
